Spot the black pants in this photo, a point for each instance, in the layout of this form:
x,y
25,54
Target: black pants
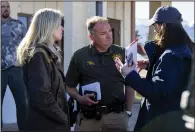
x,y
13,77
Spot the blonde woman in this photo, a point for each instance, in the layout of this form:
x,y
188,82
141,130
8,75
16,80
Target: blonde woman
x,y
37,53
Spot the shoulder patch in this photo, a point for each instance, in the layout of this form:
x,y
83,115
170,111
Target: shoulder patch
x,y
90,63
117,56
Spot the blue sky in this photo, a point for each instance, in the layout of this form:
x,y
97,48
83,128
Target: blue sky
x,y
186,9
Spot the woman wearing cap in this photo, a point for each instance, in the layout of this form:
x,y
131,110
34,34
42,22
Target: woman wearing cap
x,y
168,68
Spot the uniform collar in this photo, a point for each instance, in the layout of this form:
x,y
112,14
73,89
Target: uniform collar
x,y
94,51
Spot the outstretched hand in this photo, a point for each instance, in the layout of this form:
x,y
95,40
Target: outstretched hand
x,y
85,100
124,69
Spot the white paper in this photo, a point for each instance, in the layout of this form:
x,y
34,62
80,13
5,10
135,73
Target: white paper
x,y
131,49
93,87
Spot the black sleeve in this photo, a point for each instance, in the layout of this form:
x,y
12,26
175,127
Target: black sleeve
x,y
72,75
39,88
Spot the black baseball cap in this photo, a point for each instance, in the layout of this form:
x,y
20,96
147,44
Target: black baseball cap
x,y
166,14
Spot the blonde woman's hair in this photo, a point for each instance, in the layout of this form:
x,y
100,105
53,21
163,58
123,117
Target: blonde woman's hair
x,y
44,23
92,21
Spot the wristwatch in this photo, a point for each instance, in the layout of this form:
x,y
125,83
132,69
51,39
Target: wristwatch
x,y
129,113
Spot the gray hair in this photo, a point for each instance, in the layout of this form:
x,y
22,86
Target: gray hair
x,y
92,21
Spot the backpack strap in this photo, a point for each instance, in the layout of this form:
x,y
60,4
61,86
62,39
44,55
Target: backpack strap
x,y
48,58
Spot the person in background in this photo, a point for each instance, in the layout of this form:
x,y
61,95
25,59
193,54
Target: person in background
x,y
168,69
12,32
187,100
45,82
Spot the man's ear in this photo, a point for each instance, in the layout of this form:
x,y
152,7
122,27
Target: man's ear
x,y
91,38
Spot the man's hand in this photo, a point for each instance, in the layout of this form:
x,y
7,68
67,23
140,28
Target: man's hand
x,y
85,100
142,64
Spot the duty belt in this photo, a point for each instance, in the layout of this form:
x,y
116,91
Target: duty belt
x,y
100,110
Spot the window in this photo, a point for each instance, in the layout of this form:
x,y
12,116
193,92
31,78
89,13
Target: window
x,y
25,18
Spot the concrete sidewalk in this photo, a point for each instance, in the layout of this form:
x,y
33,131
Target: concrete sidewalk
x,y
133,118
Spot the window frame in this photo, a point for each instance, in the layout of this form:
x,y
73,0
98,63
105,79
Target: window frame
x,y
28,18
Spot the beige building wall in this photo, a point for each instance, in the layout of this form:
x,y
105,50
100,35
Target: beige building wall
x,y
32,7
75,30
121,11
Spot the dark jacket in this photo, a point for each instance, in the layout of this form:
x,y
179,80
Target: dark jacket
x,y
166,80
48,109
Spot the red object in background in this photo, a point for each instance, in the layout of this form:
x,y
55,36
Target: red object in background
x,y
136,40
140,47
